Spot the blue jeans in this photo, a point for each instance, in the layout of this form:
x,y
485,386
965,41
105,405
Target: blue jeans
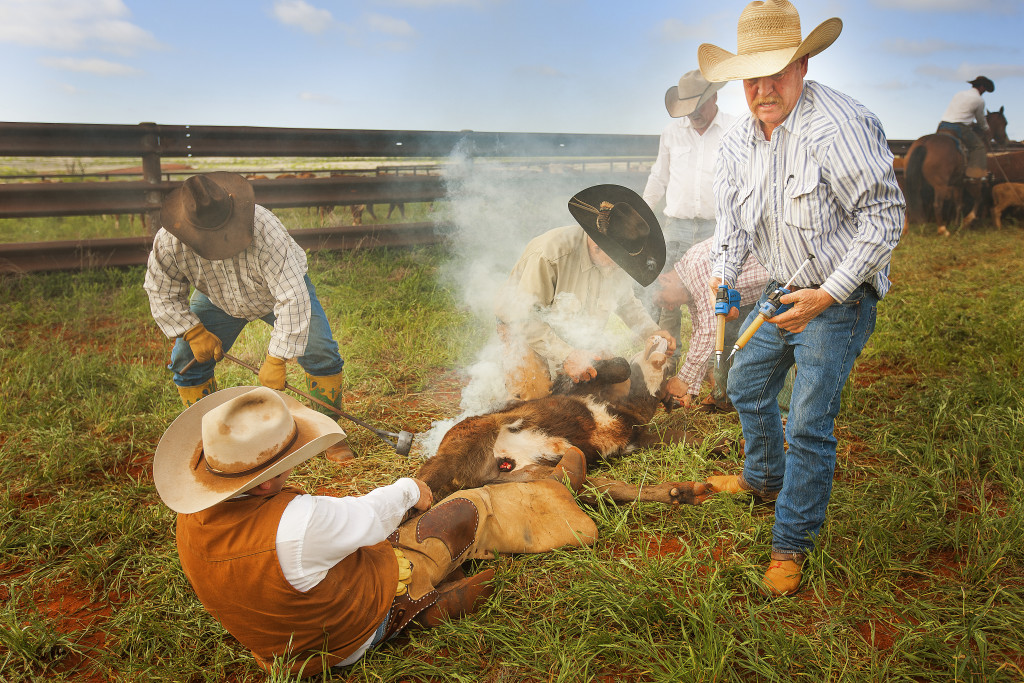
x,y
824,354
320,359
683,233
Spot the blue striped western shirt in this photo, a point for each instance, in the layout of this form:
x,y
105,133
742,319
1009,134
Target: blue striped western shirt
x,y
823,185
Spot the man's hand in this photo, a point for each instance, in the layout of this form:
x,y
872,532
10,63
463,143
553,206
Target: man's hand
x,y
579,365
272,373
678,389
807,304
205,345
664,334
426,497
714,283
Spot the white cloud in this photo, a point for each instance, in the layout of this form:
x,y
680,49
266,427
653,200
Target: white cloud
x,y
921,47
302,15
73,25
430,4
389,25
967,72
98,67
1002,6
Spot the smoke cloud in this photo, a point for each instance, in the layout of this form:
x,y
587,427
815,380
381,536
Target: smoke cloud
x,y
494,209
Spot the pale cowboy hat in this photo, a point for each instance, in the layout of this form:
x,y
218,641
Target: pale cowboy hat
x,y
624,226
212,213
233,440
768,40
690,94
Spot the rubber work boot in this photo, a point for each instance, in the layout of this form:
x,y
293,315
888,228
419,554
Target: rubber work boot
x,y
783,575
190,395
458,598
328,390
571,470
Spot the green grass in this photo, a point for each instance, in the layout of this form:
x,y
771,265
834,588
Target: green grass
x,y
919,575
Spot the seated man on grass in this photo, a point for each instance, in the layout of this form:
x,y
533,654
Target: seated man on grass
x,y
319,580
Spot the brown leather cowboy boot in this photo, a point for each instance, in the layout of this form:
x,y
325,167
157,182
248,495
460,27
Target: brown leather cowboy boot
x,y
458,598
571,470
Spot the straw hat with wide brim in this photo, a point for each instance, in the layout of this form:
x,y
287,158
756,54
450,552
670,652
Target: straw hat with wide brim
x,y
690,94
768,40
624,226
212,213
233,440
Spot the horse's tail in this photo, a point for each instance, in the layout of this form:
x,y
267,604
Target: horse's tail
x,y
913,178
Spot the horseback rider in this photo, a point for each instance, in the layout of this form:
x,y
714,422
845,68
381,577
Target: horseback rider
x,y
965,120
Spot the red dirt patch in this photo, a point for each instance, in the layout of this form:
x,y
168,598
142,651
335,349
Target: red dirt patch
x,y
73,611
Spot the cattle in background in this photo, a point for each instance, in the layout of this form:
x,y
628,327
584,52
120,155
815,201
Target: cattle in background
x,y
1005,196
606,418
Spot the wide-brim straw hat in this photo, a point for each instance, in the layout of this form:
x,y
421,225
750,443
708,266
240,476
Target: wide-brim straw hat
x,y
212,213
692,91
624,226
253,434
768,40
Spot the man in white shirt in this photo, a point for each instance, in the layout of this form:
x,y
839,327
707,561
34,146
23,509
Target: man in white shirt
x,y
319,580
684,171
965,120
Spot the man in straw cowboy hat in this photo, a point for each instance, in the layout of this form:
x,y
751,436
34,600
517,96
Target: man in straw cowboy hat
x,y
808,173
554,308
243,265
683,172
318,580
964,119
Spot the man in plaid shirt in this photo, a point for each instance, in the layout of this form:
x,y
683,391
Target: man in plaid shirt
x,y
686,283
243,266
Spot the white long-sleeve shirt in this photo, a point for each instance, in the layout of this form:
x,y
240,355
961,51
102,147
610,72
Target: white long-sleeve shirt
x,y
967,107
684,171
317,532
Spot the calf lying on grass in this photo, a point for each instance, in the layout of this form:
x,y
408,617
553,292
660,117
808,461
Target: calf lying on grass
x,y
605,418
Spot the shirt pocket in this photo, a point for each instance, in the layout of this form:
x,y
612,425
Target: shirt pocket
x,y
750,206
807,204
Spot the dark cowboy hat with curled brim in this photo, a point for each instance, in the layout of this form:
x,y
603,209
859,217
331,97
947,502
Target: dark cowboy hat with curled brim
x,y
624,226
212,213
234,440
768,40
984,83
690,94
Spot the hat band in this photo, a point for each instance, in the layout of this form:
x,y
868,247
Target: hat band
x,y
252,470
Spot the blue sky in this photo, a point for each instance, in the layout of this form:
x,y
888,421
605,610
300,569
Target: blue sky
x,y
574,66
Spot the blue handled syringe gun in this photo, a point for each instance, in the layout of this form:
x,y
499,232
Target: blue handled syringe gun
x,y
772,307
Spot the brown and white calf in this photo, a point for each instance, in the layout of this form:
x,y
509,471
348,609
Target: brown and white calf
x,y
605,418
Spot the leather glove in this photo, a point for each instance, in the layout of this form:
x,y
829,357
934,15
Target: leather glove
x,y
205,345
272,373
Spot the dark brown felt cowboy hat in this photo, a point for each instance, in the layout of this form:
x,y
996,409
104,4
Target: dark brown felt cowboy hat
x,y
690,94
768,40
624,226
984,83
212,213
233,440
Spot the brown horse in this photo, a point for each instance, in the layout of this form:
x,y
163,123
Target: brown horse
x,y
935,166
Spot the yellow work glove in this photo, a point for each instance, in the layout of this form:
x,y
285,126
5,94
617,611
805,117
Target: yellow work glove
x,y
205,345
272,373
